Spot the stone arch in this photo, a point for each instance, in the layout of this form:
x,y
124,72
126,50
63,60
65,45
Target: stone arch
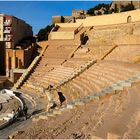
x,y
129,19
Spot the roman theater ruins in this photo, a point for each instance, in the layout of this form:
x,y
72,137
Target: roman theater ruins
x,y
85,82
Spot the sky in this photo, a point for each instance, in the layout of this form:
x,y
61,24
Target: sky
x,y
39,13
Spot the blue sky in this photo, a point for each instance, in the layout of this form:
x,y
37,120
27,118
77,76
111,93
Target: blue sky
x,y
39,13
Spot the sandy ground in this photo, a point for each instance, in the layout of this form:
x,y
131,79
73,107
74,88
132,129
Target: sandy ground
x,y
117,116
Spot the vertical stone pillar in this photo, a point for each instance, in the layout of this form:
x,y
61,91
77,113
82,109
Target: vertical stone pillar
x,y
14,59
7,64
12,75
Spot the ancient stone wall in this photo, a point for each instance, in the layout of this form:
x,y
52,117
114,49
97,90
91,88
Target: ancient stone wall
x,y
116,18
65,25
129,53
62,35
78,13
111,33
61,19
118,4
56,19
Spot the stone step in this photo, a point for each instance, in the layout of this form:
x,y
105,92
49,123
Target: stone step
x,y
57,112
69,93
117,87
82,85
95,82
83,101
109,74
120,65
113,70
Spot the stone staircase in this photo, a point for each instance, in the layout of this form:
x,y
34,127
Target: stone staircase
x,y
56,78
50,53
113,89
27,73
95,78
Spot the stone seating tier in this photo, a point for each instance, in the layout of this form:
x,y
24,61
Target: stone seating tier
x,y
67,29
120,52
65,42
120,105
53,76
97,77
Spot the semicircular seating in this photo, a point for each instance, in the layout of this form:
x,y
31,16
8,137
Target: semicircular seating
x,y
98,77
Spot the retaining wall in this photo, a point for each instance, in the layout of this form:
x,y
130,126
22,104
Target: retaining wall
x,y
116,18
62,35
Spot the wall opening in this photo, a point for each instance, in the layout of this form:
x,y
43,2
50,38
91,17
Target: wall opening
x,y
2,59
129,19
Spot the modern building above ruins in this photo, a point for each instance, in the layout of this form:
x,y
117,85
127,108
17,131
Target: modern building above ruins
x,y
13,30
15,50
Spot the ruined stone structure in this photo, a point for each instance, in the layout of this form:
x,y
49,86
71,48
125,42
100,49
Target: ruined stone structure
x,y
61,19
88,77
79,13
119,4
116,18
76,14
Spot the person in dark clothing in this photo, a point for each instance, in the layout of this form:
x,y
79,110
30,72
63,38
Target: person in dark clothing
x,y
19,111
25,110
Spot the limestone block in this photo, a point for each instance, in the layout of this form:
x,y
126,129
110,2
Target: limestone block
x,y
112,136
55,112
125,83
117,87
63,109
70,106
43,117
62,35
108,90
50,115
102,93
92,97
79,102
134,79
35,119
86,99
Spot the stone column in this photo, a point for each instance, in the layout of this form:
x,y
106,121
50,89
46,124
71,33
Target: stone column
x,y
14,59
12,75
7,64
